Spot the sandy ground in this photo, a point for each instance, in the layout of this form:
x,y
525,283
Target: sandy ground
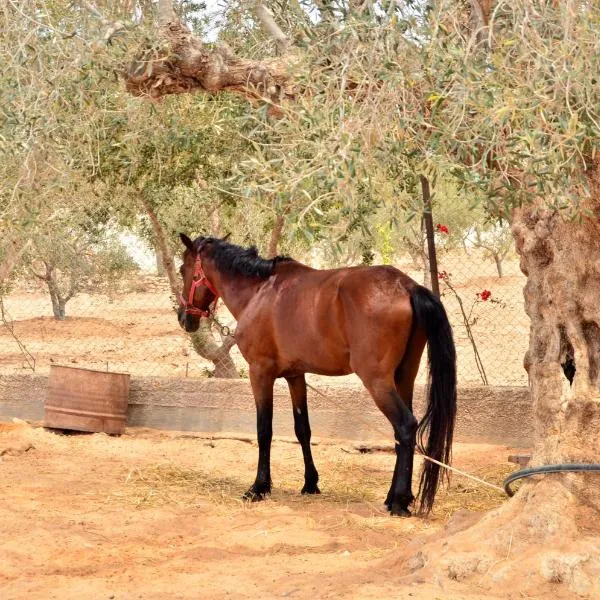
x,y
136,332
157,515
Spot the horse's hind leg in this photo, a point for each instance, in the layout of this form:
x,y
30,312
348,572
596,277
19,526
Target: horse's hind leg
x,y
404,381
297,387
404,388
262,387
406,372
404,391
404,423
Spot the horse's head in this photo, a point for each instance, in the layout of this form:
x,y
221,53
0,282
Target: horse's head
x,y
198,293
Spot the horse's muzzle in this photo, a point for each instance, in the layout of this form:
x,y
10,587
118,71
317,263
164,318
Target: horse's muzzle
x,y
188,322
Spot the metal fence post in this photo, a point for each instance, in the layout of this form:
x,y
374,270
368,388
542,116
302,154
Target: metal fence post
x,y
428,219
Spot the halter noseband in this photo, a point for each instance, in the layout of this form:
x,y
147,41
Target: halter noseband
x,y
199,279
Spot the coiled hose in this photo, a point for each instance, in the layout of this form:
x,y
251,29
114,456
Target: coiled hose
x,y
546,469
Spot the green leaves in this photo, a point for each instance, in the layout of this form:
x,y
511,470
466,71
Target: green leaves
x,y
379,99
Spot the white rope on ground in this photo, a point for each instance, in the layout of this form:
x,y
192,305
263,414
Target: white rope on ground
x,y
433,460
463,473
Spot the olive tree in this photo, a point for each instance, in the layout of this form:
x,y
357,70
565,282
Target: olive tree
x,y
506,96
70,260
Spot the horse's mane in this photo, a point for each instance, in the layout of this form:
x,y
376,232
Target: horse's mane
x,y
236,260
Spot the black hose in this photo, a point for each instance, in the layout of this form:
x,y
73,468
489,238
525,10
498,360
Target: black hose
x,y
546,469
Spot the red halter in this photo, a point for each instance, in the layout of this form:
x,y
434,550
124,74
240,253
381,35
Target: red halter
x,y
199,279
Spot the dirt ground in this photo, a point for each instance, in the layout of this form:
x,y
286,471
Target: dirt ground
x,y
158,514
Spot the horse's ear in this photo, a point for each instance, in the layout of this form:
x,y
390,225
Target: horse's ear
x,y
185,240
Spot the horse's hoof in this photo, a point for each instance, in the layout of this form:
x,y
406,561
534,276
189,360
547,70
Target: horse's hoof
x,y
399,511
310,489
253,496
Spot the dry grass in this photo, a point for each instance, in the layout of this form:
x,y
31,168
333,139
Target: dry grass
x,y
346,480
165,484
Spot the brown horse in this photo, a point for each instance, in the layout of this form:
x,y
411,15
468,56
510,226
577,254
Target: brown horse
x,y
292,320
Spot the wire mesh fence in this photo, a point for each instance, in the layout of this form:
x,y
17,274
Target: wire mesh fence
x,y
491,328
133,328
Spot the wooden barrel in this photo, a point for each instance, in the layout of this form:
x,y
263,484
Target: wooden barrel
x,y
86,400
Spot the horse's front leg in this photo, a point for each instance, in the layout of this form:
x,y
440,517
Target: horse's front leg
x,y
297,387
262,382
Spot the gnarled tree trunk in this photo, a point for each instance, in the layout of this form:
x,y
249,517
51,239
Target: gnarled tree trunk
x,y
561,259
57,297
162,248
549,533
160,264
205,346
189,65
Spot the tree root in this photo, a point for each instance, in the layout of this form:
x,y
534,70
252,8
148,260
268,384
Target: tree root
x,y
527,546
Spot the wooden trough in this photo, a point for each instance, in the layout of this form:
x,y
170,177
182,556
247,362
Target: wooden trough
x,y
86,400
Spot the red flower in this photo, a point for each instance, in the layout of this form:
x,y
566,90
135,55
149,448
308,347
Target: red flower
x,y
442,228
443,275
485,295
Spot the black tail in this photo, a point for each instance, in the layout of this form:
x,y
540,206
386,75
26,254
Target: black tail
x,y
438,421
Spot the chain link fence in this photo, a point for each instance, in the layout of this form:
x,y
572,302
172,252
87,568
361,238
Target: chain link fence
x,y
132,327
491,328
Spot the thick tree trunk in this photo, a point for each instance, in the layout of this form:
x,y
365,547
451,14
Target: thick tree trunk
x,y
165,12
58,302
58,307
163,248
205,346
160,262
62,310
188,65
561,259
546,540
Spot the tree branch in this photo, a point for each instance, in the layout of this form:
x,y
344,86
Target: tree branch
x,y
12,255
112,27
36,274
73,289
480,13
479,19
188,66
161,242
265,17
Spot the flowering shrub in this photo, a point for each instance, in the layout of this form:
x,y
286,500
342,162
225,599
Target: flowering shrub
x,y
469,319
